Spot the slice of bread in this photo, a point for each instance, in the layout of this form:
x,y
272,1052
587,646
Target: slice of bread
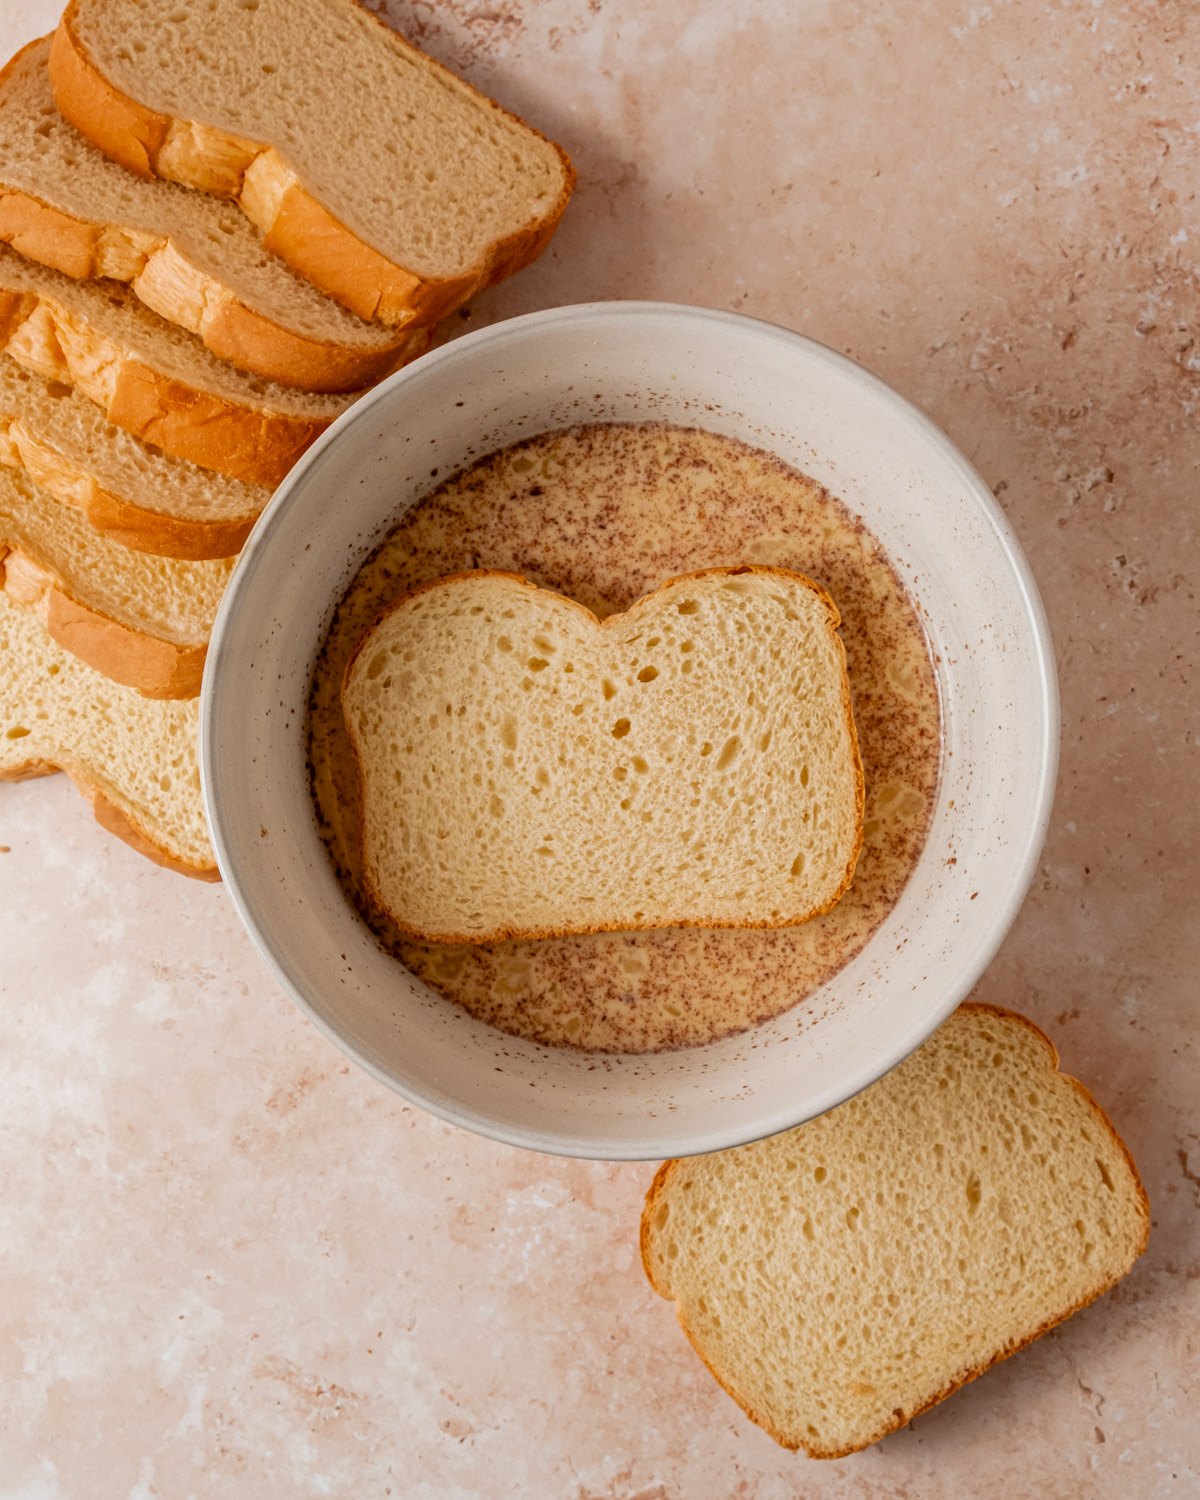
x,y
372,170
133,494
527,770
153,378
841,1278
141,620
135,760
197,261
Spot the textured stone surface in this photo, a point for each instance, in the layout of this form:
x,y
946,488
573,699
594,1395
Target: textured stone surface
x,y
231,1265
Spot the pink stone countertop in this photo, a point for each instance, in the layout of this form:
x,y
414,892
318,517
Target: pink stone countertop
x,y
235,1266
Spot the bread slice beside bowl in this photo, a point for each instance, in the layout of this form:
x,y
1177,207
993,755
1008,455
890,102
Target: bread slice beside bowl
x,y
841,1278
134,759
445,192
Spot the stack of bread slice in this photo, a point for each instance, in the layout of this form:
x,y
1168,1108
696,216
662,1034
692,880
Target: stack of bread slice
x,y
210,246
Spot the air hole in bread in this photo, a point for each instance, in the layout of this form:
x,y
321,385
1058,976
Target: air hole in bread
x,y
729,752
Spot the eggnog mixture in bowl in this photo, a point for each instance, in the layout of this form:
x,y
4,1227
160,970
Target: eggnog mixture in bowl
x,y
604,514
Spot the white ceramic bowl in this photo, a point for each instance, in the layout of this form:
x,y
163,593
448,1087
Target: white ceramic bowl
x,y
633,362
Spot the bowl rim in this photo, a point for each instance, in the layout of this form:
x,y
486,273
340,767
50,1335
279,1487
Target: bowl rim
x,y
274,951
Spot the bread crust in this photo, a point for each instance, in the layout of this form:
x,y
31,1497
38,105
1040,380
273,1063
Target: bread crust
x,y
114,819
258,447
153,667
901,1417
504,933
294,223
164,536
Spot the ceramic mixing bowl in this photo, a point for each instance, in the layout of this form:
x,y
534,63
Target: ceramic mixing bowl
x,y
629,362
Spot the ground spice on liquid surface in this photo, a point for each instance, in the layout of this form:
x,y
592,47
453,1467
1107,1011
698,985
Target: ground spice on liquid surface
x,y
604,514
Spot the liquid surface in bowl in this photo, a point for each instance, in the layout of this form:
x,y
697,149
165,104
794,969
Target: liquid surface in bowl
x,y
604,514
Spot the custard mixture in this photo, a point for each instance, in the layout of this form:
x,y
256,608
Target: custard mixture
x,y
604,514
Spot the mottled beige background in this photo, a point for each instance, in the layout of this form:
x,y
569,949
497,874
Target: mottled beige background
x,y
234,1267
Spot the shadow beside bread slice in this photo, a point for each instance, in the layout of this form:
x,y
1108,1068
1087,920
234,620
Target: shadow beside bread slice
x,y
193,259
842,1277
134,759
141,620
431,193
153,378
136,495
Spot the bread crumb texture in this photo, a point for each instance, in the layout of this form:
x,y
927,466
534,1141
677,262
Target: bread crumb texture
x,y
842,1277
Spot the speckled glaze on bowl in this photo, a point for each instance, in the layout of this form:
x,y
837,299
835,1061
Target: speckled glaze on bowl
x,y
633,361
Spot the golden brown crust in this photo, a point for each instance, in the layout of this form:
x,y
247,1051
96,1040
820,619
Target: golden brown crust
x,y
42,233
258,447
32,770
165,536
115,820
315,244
900,1417
254,342
122,128
153,667
294,224
500,935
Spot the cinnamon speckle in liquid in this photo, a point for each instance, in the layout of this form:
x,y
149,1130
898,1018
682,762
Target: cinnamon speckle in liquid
x,y
604,514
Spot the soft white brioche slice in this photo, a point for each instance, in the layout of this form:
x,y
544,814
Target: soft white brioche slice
x,y
529,770
197,261
153,378
141,620
844,1276
135,760
132,493
372,170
